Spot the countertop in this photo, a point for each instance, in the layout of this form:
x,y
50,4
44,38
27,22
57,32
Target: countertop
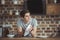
x,y
27,38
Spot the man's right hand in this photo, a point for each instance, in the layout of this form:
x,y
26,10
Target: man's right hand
x,y
19,30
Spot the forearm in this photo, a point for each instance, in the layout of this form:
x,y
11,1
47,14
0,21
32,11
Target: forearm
x,y
33,32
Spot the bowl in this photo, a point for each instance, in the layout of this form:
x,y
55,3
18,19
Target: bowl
x,y
10,35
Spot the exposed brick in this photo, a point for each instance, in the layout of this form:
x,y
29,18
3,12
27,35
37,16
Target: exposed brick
x,y
38,28
40,19
54,29
42,22
39,31
43,25
53,25
57,16
56,19
47,16
52,22
43,34
48,31
59,25
1,23
43,28
48,22
52,16
43,16
56,22
47,19
38,22
48,28
48,34
14,25
0,12
38,34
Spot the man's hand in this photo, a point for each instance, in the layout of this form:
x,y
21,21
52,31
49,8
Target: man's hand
x,y
33,32
19,29
30,29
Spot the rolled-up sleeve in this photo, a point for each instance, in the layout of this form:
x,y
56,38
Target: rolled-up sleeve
x,y
19,24
35,24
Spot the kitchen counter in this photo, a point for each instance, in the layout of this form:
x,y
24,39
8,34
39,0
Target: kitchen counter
x,y
24,38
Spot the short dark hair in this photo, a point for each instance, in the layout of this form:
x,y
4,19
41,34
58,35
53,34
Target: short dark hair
x,y
23,12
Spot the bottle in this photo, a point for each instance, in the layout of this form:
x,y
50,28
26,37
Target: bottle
x,y
16,13
2,1
10,12
15,1
55,1
19,2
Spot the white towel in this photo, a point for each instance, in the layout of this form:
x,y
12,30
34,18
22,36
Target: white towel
x,y
27,30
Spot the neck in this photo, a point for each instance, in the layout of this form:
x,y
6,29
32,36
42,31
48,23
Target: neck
x,y
26,21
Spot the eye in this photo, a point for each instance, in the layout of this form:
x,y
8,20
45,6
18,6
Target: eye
x,y
26,16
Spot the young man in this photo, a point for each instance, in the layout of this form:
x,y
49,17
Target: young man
x,y
24,21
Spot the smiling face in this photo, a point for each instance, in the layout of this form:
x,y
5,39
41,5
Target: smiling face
x,y
27,17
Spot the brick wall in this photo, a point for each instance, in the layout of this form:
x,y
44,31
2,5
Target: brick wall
x,y
48,25
7,6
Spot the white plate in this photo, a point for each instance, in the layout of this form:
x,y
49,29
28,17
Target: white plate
x,y
43,36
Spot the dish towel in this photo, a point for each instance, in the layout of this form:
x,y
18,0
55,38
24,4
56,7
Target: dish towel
x,y
27,30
